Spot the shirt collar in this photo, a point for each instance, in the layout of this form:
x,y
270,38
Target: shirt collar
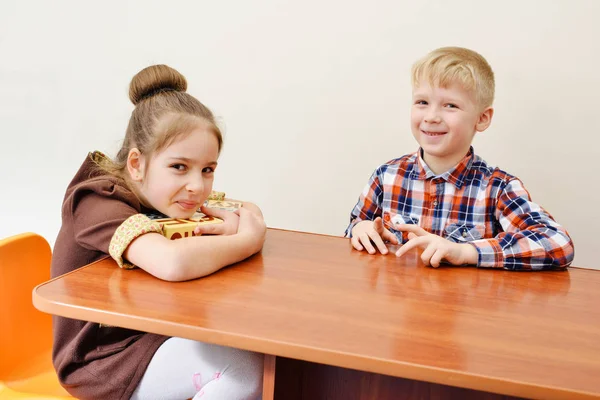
x,y
455,176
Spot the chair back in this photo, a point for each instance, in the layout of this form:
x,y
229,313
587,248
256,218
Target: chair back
x,y
25,332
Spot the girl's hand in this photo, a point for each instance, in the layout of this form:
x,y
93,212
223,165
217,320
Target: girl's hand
x,y
253,227
435,248
252,207
228,227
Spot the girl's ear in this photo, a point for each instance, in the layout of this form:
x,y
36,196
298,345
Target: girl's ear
x,y
136,164
485,119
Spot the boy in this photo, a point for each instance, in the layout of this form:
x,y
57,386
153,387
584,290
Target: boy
x,y
444,199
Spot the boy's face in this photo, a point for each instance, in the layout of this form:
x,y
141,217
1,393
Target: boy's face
x,y
179,178
444,121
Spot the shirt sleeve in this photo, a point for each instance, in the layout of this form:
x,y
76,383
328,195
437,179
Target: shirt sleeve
x,y
369,202
531,238
99,212
132,228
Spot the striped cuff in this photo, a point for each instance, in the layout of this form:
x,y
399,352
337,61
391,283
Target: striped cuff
x,y
133,227
490,253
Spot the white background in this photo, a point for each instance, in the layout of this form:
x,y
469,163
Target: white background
x,y
313,95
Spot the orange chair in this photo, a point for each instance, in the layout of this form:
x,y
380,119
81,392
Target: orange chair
x,y
26,370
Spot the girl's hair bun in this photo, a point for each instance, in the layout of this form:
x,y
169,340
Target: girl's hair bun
x,y
154,80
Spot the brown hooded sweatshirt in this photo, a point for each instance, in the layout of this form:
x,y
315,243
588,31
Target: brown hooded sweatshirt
x,y
95,361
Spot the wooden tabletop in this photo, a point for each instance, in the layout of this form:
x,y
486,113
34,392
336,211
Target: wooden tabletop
x,y
311,297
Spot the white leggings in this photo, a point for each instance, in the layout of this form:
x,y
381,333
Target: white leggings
x,y
184,369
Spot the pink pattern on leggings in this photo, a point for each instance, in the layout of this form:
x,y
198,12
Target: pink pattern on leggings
x,y
197,379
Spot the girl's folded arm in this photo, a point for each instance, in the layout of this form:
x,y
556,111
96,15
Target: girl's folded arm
x,y
188,258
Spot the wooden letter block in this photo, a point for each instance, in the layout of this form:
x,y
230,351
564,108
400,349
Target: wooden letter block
x,y
177,228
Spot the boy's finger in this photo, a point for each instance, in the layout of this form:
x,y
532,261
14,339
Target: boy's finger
x,y
378,242
411,244
437,257
383,231
390,237
366,242
356,243
427,254
412,228
378,225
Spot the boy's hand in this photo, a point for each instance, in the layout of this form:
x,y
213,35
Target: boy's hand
x,y
435,248
229,226
366,231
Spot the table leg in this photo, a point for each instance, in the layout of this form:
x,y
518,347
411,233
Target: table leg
x,y
269,378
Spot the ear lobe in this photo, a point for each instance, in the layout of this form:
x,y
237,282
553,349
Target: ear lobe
x,y
485,119
135,165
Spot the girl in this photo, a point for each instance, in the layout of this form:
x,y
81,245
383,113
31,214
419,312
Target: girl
x,y
166,164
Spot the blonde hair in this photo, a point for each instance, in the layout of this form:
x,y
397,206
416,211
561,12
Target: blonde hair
x,y
448,65
163,113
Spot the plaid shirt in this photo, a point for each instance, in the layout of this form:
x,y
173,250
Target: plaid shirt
x,y
471,203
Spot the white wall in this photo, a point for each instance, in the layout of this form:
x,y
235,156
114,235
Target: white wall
x,y
313,95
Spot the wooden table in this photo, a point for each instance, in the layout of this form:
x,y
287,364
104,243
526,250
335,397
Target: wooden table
x,y
310,298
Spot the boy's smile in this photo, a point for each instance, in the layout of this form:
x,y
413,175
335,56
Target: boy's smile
x,y
444,121
432,133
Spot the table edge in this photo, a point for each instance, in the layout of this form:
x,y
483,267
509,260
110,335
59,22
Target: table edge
x,y
307,353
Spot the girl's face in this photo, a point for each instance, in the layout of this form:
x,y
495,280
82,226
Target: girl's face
x,y
178,179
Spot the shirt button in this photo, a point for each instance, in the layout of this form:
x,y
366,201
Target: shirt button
x,y
464,234
435,203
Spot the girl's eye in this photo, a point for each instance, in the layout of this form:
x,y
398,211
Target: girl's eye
x,y
209,170
179,167
421,102
450,105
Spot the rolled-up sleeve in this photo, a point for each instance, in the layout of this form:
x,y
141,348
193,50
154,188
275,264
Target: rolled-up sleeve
x,y
531,239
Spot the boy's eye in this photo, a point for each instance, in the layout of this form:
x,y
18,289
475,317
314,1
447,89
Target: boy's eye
x,y
179,167
209,170
421,102
450,105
